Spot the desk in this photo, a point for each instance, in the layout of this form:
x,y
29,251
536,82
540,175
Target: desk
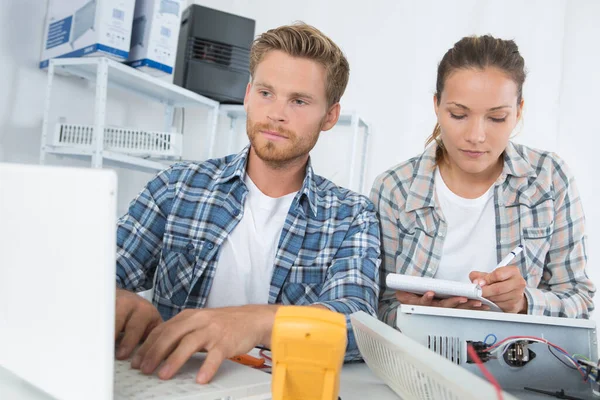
x,y
357,383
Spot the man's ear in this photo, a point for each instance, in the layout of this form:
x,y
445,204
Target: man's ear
x,y
331,118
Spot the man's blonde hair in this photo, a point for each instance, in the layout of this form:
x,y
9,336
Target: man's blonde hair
x,y
305,41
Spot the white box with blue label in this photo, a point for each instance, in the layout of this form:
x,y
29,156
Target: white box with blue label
x,y
78,28
154,36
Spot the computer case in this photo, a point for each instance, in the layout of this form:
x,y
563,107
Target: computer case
x,y
213,54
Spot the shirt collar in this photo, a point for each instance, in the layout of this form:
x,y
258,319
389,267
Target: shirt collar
x,y
515,164
236,168
421,192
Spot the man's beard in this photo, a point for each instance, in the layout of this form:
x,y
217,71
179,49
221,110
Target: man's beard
x,y
281,152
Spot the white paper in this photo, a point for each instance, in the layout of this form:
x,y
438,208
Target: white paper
x,y
443,289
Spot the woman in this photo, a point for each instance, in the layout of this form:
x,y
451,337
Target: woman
x,y
456,210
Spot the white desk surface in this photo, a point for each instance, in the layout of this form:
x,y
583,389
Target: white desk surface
x,y
357,383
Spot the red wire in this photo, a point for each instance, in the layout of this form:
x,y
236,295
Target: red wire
x,y
484,370
524,337
261,352
536,338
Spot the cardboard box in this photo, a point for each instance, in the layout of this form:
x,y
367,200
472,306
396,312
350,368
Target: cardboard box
x,y
83,28
154,36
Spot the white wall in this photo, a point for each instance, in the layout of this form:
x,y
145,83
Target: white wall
x,y
578,112
393,48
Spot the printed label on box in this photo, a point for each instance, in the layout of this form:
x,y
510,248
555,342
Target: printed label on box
x,y
59,32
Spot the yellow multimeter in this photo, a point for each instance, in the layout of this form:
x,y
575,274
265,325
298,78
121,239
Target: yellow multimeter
x,y
308,346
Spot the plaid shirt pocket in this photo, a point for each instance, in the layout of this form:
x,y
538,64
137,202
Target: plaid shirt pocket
x,y
179,260
536,241
303,285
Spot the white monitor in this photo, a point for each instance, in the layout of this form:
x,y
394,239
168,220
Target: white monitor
x,y
57,296
57,278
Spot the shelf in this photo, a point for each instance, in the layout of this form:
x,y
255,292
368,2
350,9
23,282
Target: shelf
x,y
106,73
237,111
116,159
130,79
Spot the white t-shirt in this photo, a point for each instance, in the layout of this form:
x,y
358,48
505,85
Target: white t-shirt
x,y
245,266
470,242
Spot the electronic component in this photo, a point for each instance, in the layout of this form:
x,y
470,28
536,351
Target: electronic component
x,y
558,344
480,348
213,53
518,354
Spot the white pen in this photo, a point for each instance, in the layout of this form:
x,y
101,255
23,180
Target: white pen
x,y
509,257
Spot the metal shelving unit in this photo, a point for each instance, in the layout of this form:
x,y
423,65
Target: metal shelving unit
x,y
92,141
236,113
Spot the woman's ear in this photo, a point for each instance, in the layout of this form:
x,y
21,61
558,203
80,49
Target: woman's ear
x,y
520,109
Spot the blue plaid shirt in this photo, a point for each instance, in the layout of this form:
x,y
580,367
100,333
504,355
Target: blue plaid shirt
x,y
328,252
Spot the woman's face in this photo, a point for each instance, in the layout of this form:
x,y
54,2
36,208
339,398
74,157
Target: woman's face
x,y
477,112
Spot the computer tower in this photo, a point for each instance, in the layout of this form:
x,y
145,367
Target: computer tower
x,y
213,54
526,361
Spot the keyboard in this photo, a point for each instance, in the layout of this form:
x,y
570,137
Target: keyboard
x,y
232,381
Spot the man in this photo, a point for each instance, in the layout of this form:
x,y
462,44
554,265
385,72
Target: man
x,y
232,239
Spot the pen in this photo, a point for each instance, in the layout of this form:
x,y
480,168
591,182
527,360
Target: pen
x,y
510,256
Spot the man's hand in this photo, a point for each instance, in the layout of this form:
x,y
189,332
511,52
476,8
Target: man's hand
x,y
504,286
428,299
222,332
135,317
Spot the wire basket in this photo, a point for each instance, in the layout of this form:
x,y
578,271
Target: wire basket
x,y
128,141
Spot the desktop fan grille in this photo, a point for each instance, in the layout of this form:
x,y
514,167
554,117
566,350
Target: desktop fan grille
x,y
211,52
411,369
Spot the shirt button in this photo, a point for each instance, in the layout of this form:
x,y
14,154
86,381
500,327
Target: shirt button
x,y
190,247
236,212
210,245
441,234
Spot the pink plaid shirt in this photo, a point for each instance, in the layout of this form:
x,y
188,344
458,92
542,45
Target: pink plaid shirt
x,y
536,204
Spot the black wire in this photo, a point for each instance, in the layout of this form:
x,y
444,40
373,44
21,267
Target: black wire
x,y
588,371
560,359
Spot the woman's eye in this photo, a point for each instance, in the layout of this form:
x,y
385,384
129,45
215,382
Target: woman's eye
x,y
455,116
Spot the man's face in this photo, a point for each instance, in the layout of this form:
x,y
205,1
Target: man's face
x,y
287,107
